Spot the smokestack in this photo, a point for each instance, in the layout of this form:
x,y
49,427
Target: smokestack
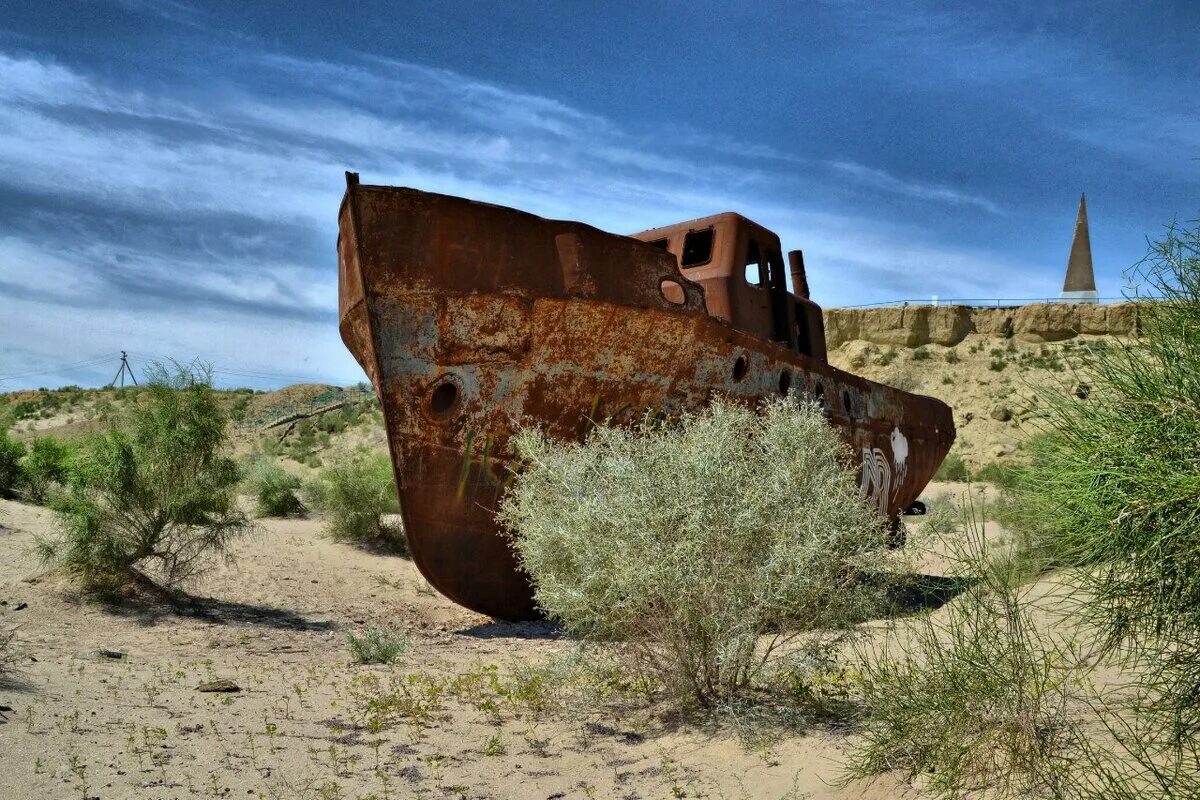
x,y
799,278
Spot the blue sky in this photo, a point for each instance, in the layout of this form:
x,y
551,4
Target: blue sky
x,y
170,171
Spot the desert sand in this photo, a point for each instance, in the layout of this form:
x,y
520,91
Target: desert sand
x,y
274,622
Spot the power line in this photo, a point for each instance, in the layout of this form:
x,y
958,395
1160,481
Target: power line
x,y
50,370
236,372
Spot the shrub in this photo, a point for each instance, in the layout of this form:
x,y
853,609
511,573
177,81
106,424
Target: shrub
x,y
152,492
952,356
11,476
688,541
975,697
1114,490
354,495
377,645
921,354
274,490
886,357
46,464
953,468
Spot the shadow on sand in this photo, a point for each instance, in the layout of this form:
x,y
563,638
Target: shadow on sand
x,y
926,593
498,629
148,612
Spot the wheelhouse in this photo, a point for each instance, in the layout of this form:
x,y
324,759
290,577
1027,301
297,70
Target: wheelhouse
x,y
740,265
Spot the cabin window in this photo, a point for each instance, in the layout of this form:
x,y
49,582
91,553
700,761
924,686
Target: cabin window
x,y
661,244
755,274
697,248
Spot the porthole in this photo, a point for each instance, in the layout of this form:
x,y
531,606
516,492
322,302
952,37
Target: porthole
x,y
444,397
740,368
672,292
785,382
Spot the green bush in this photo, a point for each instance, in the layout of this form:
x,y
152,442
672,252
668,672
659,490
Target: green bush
x,y
1002,475
274,490
11,476
688,541
886,357
46,465
377,645
953,468
354,495
952,356
1114,489
921,354
153,498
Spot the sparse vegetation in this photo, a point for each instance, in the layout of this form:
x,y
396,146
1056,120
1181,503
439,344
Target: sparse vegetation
x,y
274,489
670,540
354,496
152,492
921,354
377,645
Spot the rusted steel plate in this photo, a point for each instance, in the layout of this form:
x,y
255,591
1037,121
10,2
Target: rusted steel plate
x,y
472,320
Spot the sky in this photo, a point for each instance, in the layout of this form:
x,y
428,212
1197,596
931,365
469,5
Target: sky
x,y
170,172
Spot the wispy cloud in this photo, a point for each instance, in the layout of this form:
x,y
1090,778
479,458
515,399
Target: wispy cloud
x,y
204,222
878,179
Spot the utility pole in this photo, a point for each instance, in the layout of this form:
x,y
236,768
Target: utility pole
x,y
122,371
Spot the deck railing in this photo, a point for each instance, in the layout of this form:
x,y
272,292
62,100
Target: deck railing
x,y
985,302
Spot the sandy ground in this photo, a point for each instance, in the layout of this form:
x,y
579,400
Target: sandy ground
x,y
86,725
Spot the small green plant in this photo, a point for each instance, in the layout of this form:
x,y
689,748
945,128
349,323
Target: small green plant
x,y
152,492
8,651
274,490
377,645
953,468
952,356
997,365
46,465
886,357
921,354
494,746
11,476
354,495
667,538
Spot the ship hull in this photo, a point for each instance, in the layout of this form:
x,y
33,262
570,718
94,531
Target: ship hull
x,y
473,321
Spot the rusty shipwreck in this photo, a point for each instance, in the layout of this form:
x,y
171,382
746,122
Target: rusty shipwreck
x,y
472,319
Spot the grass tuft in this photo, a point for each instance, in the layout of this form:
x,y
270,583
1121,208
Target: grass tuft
x,y
377,645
